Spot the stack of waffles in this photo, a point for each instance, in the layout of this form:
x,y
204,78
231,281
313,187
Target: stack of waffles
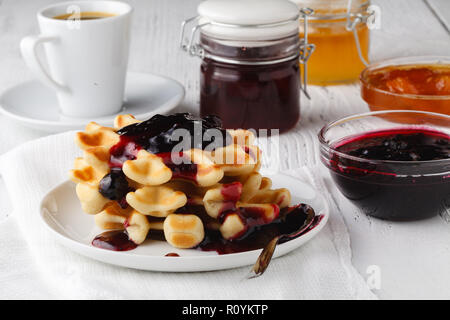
x,y
220,190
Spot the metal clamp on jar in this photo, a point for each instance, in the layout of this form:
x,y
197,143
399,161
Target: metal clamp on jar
x,y
250,51
339,30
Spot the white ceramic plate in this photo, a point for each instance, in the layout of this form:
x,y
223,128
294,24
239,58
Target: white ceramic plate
x,y
61,213
34,105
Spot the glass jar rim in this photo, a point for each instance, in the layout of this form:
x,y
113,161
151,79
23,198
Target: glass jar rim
x,y
324,144
356,9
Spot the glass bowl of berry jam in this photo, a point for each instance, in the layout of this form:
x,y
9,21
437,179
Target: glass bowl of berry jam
x,y
390,169
409,83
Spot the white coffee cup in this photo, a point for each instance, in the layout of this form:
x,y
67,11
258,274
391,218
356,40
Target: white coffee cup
x,y
87,59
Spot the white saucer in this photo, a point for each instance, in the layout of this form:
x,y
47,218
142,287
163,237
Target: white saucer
x,y
62,215
34,105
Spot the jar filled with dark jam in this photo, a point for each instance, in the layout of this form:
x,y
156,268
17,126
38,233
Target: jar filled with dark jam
x,y
250,51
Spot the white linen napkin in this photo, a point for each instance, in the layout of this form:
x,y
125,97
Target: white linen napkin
x,y
412,257
321,269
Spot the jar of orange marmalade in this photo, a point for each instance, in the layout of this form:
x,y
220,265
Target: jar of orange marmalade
x,y
250,55
340,34
408,83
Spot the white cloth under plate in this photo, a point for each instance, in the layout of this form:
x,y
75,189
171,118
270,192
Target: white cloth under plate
x,y
42,268
412,258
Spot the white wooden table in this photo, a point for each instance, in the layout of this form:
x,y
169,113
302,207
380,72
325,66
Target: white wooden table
x,y
408,27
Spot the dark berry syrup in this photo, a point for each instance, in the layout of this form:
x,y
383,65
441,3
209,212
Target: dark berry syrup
x,y
257,233
159,135
257,236
414,182
172,254
116,240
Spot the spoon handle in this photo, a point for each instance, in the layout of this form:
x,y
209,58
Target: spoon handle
x,y
264,259
265,256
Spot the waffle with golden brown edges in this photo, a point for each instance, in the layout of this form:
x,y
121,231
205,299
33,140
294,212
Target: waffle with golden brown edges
x,y
155,196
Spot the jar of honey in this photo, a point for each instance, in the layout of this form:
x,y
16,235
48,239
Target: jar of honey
x,y
340,34
250,72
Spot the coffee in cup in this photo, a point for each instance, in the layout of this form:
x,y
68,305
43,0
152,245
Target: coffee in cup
x,y
88,15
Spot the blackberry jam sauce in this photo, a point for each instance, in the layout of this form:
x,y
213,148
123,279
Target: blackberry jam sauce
x,y
396,174
116,240
158,135
257,234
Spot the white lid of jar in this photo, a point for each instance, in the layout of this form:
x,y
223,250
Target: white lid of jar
x,y
252,20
